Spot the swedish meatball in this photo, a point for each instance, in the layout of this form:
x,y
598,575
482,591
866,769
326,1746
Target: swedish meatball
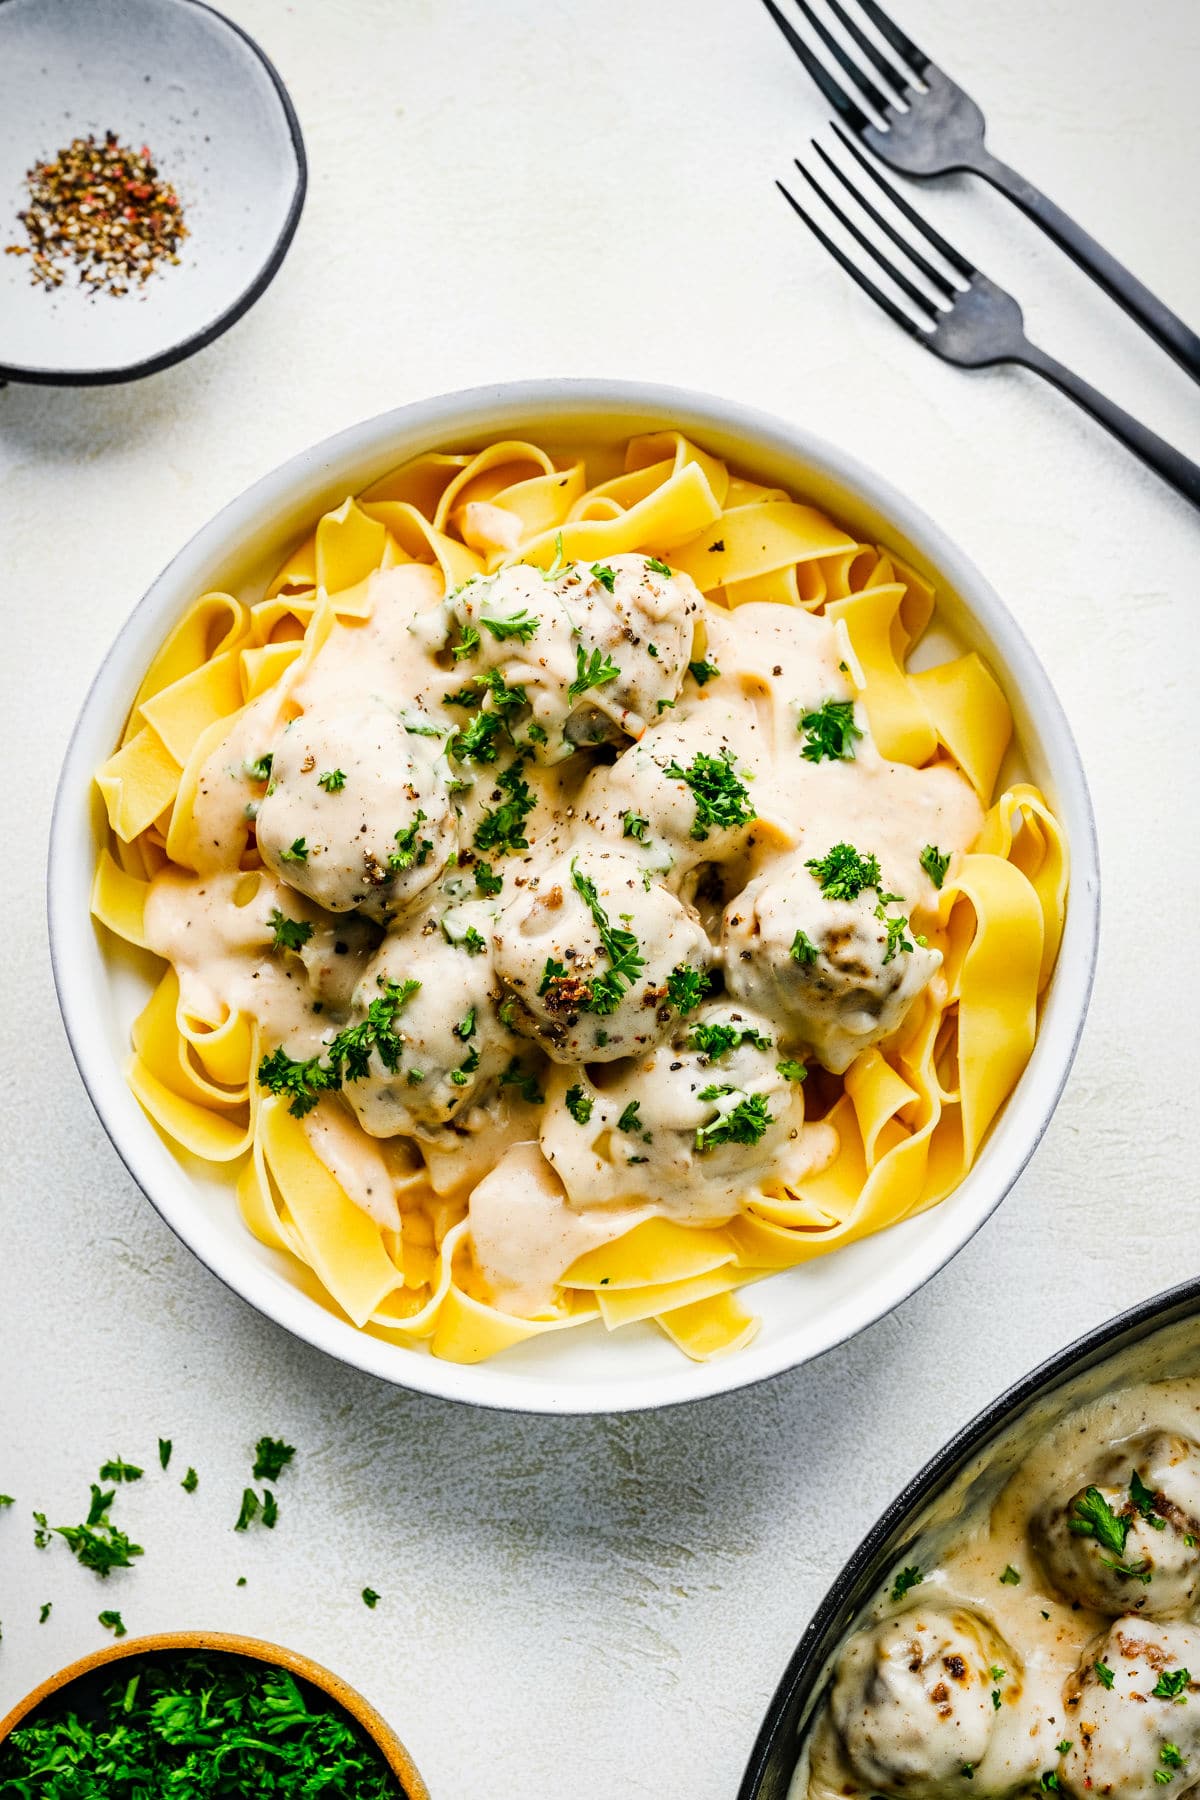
x,y
357,814
1131,1730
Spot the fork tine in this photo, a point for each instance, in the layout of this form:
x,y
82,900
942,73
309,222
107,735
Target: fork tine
x,y
952,256
916,58
866,86
898,78
840,101
855,273
897,275
932,275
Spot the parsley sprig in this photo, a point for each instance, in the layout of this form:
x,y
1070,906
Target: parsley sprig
x,y
722,798
744,1123
347,1057
829,732
591,672
503,828
621,947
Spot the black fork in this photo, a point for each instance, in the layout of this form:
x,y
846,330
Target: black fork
x,y
968,319
932,127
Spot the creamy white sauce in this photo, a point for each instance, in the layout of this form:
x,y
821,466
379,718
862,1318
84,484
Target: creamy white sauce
x,y
405,742
916,1701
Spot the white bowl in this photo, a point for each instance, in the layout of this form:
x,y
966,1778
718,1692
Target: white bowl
x,y
100,986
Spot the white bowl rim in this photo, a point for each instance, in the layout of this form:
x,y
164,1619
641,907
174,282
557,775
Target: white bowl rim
x,y
435,420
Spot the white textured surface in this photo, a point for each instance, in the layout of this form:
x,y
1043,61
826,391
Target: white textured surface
x,y
601,1607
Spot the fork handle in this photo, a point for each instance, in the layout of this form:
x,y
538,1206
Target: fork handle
x,y
1166,327
1155,452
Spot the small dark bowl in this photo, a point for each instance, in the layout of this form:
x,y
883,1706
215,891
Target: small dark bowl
x,y
1158,1339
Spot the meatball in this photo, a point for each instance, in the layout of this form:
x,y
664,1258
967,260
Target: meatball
x,y
838,974
454,1046
1130,1541
587,957
1131,1732
683,794
912,1706
357,814
709,1123
586,656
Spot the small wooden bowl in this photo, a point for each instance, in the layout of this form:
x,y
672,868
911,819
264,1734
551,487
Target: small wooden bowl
x,y
224,1643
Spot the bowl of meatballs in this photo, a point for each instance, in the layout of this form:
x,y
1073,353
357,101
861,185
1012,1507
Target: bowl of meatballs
x,y
503,990
1025,1617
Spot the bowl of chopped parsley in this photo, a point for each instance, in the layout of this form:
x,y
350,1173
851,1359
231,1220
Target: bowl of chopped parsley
x,y
200,1716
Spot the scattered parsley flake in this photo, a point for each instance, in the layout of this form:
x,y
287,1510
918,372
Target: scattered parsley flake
x,y
333,780
687,987
41,1531
606,576
117,1470
348,1054
7,1500
97,1544
716,1040
466,1025
502,830
1172,1684
722,799
895,926
297,853
843,873
1144,1499
996,1702
635,825
370,1598
596,671
468,643
260,768
190,1482
629,1119
112,1621
1063,1746
249,1509
521,625
744,1124
1090,1515
1049,1782
803,949
271,1458
620,945
791,1070
659,567
1010,1577
907,1579
829,732
702,672
44,1611
488,883
579,1104
164,1452
1104,1675
408,853
287,934
934,864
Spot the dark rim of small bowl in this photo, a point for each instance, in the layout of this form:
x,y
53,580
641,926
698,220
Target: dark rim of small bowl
x,y
188,346
773,1759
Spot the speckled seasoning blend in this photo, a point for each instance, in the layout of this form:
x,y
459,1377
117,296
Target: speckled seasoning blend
x,y
104,207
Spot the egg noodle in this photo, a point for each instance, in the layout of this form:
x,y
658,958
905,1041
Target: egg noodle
x,y
906,1119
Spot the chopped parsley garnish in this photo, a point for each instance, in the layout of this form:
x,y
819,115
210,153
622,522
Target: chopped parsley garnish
x,y
488,883
504,698
164,1452
629,1119
687,987
1010,1577
260,768
1104,1675
635,825
252,1506
527,1085
1049,1782
1063,1746
44,1611
97,1544
829,732
803,949
7,1500
579,1104
112,1621
41,1531
843,873
606,576
1173,1759
717,1040
333,780
996,1702
502,830
518,625
620,946
722,800
190,1482
702,672
370,1598
117,1470
468,643
907,1579
477,742
466,1026
968,1770
1172,1684
934,864
469,940
271,1458
591,672
348,1054
659,567
408,852
552,971
791,1070
559,564
297,853
287,934
896,927
194,1727
665,706
743,1124
462,1075
1091,1516
1144,1499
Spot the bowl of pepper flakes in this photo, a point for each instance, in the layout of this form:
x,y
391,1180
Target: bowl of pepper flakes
x,y
152,174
